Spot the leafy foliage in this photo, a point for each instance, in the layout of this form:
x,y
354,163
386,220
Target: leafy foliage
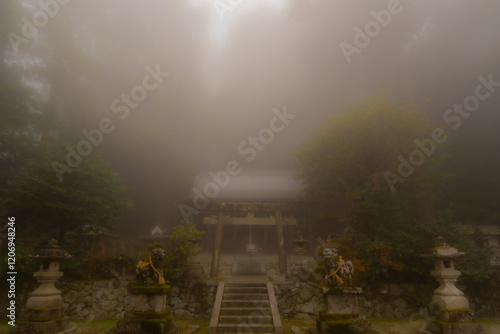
x,y
87,264
398,257
179,246
344,165
25,266
90,193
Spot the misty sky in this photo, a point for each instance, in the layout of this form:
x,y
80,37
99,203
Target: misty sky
x,y
228,69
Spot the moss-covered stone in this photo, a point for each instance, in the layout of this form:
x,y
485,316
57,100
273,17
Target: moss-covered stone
x,y
343,327
455,316
345,323
437,326
42,314
324,316
161,289
155,326
151,314
341,290
150,322
42,327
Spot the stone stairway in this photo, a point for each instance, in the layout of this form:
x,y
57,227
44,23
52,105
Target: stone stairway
x,y
245,308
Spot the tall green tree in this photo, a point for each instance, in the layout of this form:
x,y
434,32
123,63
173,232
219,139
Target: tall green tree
x,y
19,116
45,93
347,162
90,194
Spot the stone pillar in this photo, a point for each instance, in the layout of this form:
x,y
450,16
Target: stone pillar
x,y
159,303
214,270
158,320
341,313
281,243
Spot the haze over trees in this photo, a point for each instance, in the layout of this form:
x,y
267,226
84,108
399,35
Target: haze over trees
x,y
348,170
349,167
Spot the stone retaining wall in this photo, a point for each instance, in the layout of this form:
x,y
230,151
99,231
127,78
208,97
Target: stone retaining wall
x,y
299,300
87,300
99,300
400,301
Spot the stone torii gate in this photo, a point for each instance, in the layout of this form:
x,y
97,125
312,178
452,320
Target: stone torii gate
x,y
225,215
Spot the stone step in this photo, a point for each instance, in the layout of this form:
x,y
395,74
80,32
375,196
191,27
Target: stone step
x,y
245,328
245,311
245,308
256,304
245,285
248,318
231,296
251,290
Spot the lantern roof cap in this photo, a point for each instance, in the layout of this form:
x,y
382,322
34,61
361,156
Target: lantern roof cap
x,y
50,251
442,250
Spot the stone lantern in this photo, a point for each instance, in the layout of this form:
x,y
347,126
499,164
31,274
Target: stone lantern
x,y
447,295
44,312
195,269
448,303
299,243
300,270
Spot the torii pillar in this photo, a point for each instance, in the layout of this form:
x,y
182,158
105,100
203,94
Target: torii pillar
x,y
281,243
214,270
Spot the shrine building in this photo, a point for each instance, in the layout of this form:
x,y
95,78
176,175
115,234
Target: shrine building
x,y
251,223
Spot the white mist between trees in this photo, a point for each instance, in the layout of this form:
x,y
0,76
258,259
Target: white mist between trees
x,y
453,116
249,148
122,106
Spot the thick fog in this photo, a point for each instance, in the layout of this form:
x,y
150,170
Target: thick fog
x,y
216,72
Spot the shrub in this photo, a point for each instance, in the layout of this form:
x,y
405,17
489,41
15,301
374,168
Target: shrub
x,y
178,246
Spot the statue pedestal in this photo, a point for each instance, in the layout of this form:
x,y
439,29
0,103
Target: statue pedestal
x,y
44,312
156,321
453,322
345,301
447,295
342,312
